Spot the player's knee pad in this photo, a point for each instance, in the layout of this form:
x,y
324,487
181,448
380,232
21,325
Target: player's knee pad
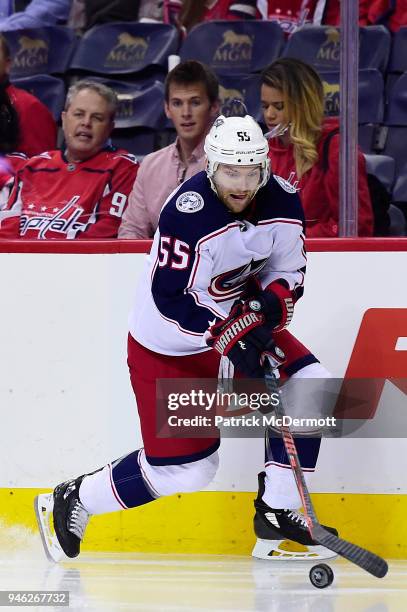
x,y
182,478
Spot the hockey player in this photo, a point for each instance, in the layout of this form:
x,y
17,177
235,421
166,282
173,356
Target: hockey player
x,y
226,231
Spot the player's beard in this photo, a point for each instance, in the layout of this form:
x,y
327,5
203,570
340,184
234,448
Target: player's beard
x,y
236,192
235,205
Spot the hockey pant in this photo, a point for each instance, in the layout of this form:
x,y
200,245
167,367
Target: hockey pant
x,y
175,465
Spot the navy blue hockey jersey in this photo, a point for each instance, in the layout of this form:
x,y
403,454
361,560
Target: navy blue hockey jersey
x,y
203,255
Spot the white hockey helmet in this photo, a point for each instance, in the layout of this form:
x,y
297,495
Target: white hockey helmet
x,y
237,141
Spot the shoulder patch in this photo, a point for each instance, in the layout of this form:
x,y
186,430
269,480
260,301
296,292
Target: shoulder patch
x,y
189,202
286,185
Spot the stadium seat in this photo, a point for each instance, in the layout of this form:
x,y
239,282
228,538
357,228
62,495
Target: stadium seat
x,y
397,107
392,137
370,107
246,89
383,167
398,226
371,102
139,142
398,59
400,186
366,137
398,55
392,141
50,90
125,48
139,107
40,50
234,47
371,96
399,197
319,46
135,84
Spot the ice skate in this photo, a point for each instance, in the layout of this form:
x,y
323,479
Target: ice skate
x,y
62,535
273,527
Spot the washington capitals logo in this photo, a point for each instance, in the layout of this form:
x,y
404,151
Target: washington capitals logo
x,y
231,284
55,219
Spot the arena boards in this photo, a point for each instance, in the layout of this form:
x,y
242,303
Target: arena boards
x,y
70,409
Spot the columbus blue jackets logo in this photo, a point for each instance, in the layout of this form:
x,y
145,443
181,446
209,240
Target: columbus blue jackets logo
x,y
218,122
232,283
189,202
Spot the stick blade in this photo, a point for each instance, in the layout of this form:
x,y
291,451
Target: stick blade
x,y
365,559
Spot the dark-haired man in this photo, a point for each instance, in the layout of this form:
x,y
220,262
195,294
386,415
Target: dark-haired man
x,y
191,102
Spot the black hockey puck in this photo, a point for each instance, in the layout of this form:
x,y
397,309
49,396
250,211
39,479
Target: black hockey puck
x,y
321,575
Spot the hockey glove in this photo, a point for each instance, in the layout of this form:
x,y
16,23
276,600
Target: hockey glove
x,y
275,302
244,339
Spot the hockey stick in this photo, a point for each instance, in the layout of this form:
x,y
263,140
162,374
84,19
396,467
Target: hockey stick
x,y
365,559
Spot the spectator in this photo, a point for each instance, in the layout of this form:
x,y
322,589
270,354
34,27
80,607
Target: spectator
x,y
188,13
38,131
86,13
81,192
289,14
292,97
10,162
105,12
9,126
292,14
191,102
81,14
151,10
391,13
37,14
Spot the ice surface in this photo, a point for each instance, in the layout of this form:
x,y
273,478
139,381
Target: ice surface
x,y
148,582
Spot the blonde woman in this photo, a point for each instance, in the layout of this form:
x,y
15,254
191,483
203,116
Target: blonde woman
x,y
306,151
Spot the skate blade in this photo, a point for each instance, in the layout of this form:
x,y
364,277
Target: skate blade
x,y
43,506
272,550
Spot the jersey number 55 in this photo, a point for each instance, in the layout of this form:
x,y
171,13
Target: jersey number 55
x,y
173,253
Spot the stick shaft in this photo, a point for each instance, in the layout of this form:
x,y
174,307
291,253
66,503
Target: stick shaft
x,y
365,559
